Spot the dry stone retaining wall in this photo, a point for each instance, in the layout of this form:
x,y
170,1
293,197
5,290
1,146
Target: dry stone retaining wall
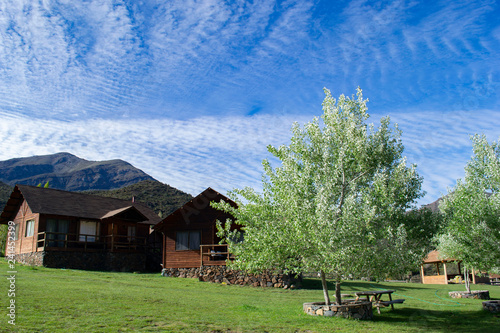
x,y
31,258
222,274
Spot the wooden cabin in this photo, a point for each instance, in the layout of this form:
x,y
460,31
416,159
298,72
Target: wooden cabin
x,y
190,233
437,270
57,228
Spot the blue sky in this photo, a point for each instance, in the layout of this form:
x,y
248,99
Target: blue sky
x,y
191,92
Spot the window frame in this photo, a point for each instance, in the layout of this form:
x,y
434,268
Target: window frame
x,y
16,231
30,228
187,246
91,238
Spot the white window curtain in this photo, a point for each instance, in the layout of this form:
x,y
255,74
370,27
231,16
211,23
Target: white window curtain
x,y
30,228
88,229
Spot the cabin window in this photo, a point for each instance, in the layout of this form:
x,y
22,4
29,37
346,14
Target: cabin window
x,y
57,230
88,230
16,231
131,233
188,240
30,228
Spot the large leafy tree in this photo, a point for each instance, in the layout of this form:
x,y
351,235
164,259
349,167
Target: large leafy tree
x,y
335,205
472,211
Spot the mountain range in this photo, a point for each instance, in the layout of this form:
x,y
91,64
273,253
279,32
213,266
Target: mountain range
x,y
68,172
113,178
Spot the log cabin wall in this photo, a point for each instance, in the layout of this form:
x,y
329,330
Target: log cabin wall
x,y
195,215
25,244
185,258
48,212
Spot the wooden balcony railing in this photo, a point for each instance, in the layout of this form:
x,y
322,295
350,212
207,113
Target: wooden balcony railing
x,y
89,242
214,254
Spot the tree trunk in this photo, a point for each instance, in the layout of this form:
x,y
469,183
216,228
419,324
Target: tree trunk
x,y
325,288
338,295
467,280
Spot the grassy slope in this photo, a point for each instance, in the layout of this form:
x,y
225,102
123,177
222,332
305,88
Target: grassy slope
x,y
53,300
157,196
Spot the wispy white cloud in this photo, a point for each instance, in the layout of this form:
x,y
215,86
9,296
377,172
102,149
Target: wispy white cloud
x,y
226,153
166,85
191,155
440,143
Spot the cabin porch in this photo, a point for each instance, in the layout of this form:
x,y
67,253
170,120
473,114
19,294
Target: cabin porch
x,y
57,241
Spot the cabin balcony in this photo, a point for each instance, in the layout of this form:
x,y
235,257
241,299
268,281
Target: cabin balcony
x,y
55,241
215,255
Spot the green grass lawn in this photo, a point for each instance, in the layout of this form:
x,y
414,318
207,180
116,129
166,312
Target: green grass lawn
x,y
57,300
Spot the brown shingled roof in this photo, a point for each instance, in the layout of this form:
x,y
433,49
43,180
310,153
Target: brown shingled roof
x,y
201,201
74,204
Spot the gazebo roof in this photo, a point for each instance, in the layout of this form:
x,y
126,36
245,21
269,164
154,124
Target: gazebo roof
x,y
434,256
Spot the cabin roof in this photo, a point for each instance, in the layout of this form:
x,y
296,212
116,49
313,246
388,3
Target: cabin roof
x,y
73,204
193,206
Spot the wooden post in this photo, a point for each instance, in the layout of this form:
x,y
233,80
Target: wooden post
x,y
445,273
201,255
422,274
112,236
164,250
473,276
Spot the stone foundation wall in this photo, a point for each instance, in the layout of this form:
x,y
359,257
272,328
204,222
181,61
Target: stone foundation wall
x,y
109,261
99,261
222,274
31,259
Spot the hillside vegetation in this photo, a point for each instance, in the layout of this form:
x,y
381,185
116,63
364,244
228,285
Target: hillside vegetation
x,y
162,198
5,191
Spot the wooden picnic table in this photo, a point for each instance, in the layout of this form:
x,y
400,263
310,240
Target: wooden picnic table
x,y
375,297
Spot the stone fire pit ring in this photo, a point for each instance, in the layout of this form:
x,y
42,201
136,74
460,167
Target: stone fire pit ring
x,y
492,306
361,310
476,294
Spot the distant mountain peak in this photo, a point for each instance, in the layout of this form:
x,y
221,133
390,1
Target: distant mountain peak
x,y
68,172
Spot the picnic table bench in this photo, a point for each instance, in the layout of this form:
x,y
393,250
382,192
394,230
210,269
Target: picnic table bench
x,y
375,297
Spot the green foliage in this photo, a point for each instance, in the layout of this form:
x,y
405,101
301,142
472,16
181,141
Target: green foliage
x,y
44,186
336,204
472,210
161,198
5,191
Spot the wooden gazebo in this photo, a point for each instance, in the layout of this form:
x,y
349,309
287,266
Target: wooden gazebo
x,y
443,276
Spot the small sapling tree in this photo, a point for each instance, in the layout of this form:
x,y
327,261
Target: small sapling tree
x,y
336,203
472,212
